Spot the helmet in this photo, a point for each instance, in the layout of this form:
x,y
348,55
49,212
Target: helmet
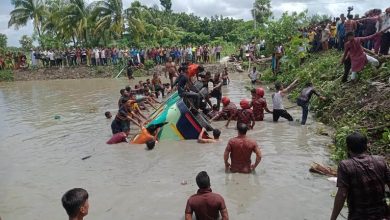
x,y
225,100
260,92
245,104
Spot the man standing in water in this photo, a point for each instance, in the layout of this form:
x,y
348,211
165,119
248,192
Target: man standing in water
x,y
304,100
277,101
206,204
361,178
170,67
75,203
240,149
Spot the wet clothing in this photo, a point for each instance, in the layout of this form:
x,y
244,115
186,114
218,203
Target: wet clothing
x,y
365,176
121,122
117,138
216,93
245,116
143,137
241,149
181,82
205,204
259,104
253,76
303,101
227,112
277,113
277,101
278,109
212,114
306,94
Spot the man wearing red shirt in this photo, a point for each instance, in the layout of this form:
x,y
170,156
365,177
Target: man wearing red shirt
x,y
259,104
240,149
359,59
206,204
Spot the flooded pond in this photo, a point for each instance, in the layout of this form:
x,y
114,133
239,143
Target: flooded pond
x,y
40,159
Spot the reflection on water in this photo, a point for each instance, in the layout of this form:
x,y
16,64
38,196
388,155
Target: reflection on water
x,y
40,158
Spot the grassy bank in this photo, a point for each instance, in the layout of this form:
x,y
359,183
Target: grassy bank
x,y
363,106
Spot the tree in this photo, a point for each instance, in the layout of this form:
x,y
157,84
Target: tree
x,y
110,17
26,10
167,4
77,18
261,10
26,42
3,41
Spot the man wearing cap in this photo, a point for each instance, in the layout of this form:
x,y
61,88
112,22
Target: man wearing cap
x,y
228,109
244,115
206,204
259,104
240,149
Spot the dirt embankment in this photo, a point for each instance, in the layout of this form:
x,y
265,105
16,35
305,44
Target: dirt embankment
x,y
81,72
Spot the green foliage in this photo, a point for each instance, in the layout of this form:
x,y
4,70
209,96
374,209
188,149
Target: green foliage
x,y
26,42
261,10
3,41
349,107
6,75
149,64
281,30
167,4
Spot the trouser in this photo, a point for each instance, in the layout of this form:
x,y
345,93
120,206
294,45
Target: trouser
x,y
371,60
385,44
341,43
195,97
277,113
347,68
325,45
305,110
218,56
119,126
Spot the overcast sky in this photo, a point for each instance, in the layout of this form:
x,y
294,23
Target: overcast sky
x,y
232,8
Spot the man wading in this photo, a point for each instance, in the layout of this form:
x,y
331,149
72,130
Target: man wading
x,y
240,150
206,204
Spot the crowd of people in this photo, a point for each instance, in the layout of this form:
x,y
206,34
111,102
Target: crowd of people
x,y
103,56
361,177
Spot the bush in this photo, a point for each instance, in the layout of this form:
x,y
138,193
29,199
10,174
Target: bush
x,y
149,64
6,75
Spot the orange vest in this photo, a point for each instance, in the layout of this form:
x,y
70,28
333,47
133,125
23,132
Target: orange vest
x,y
143,137
193,69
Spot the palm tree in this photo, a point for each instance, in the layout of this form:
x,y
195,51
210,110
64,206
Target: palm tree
x,y
26,10
261,10
78,18
109,17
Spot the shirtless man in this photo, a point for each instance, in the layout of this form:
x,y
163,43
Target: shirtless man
x,y
170,67
216,134
240,149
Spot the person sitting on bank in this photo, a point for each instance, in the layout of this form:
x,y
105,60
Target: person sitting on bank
x,y
206,204
216,134
362,178
304,100
240,149
75,203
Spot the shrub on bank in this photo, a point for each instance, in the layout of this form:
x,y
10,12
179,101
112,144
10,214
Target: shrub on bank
x,y
6,75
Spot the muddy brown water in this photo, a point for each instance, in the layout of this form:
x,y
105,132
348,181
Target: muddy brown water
x,y
40,159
